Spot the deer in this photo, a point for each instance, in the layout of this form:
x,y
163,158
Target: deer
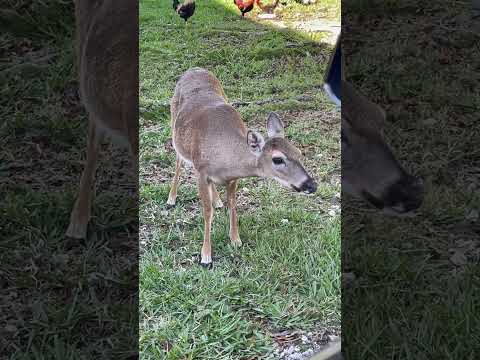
x,y
209,134
107,63
370,170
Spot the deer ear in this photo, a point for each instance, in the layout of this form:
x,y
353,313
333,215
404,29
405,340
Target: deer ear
x,y
255,141
274,125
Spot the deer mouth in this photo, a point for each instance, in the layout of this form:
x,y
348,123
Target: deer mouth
x,y
394,211
299,190
378,203
397,209
308,187
295,188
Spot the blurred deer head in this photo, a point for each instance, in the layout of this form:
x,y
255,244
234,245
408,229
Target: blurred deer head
x,y
369,168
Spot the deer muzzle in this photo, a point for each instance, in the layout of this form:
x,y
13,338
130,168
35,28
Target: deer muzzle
x,y
309,186
402,197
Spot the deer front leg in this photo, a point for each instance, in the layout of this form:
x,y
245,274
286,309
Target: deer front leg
x,y
232,205
217,202
80,214
205,193
172,196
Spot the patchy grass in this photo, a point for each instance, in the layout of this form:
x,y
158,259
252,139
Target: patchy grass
x,y
286,276
59,299
417,290
296,11
292,10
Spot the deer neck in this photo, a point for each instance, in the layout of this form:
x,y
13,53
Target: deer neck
x,y
243,163
248,165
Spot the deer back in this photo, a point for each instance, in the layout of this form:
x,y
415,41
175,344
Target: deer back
x,y
205,127
107,53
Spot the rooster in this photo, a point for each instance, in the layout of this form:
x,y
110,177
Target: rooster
x,y
267,8
247,5
244,5
184,10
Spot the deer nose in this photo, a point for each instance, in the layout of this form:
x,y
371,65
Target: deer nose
x,y
309,186
417,190
408,193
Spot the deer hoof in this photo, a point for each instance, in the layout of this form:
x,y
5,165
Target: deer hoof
x,y
77,229
206,261
170,206
208,266
170,202
236,243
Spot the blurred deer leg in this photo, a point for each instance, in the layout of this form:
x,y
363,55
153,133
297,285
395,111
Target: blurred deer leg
x,y
205,193
172,197
80,214
232,205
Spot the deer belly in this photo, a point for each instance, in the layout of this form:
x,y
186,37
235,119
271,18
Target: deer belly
x,y
217,180
182,156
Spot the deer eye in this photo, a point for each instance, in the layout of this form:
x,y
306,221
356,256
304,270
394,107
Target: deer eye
x,y
278,161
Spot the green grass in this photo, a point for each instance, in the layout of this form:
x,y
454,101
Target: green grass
x,y
328,9
410,299
293,11
60,299
286,275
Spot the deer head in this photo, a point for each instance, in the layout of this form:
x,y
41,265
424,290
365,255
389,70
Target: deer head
x,y
369,168
278,159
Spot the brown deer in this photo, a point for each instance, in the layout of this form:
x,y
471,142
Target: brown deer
x,y
209,134
107,62
369,169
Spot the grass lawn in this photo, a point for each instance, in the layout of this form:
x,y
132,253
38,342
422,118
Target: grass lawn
x,y
416,293
59,299
286,276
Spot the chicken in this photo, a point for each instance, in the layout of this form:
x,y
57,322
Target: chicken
x,y
244,5
267,8
184,10
247,5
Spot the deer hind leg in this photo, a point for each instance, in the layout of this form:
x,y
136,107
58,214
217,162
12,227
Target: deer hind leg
x,y
205,193
172,197
232,205
217,202
80,214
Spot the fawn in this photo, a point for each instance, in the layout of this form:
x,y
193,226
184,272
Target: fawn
x,y
107,62
370,170
209,134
